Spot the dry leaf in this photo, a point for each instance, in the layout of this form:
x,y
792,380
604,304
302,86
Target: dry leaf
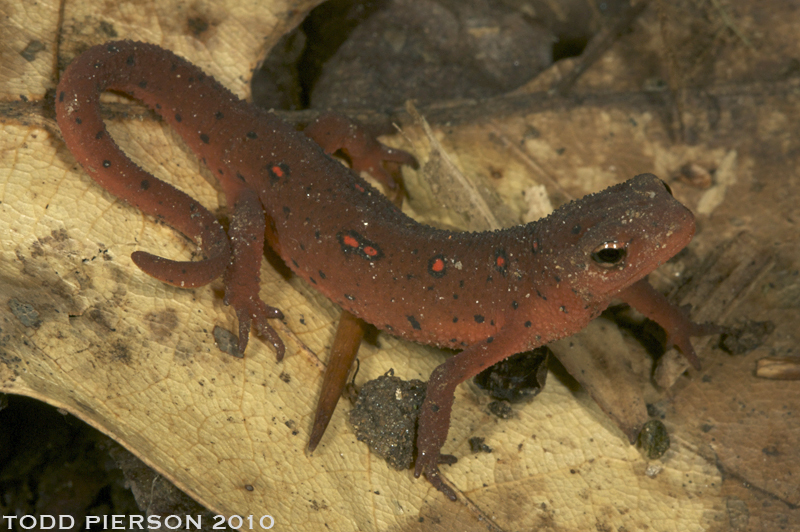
x,y
84,330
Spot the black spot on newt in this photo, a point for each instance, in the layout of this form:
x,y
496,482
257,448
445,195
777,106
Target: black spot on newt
x,y
99,135
541,295
312,280
351,298
78,121
106,163
414,323
251,135
287,211
437,266
455,296
352,242
219,115
204,138
322,274
130,60
143,84
528,324
455,319
178,117
514,305
240,176
479,318
576,230
490,340
61,96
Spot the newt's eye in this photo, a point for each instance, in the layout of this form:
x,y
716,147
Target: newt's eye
x,y
609,254
668,188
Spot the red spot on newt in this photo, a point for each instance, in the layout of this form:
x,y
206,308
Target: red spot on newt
x,y
350,241
278,171
500,261
437,266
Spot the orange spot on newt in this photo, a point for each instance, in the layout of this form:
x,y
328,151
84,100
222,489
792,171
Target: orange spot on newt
x,y
438,265
350,241
369,250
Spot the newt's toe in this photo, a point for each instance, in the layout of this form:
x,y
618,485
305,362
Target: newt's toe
x,y
429,464
253,311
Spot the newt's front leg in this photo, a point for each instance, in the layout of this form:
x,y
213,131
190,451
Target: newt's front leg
x,y
434,420
654,305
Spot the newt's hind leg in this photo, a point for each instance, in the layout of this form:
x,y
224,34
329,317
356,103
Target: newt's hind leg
x,y
335,132
242,278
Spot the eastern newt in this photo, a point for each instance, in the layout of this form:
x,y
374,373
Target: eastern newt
x,y
490,294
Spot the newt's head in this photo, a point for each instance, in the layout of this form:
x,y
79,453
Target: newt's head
x,y
607,241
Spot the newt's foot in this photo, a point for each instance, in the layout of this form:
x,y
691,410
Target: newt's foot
x,y
679,335
428,463
253,311
383,163
335,132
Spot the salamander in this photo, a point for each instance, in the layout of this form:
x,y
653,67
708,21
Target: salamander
x,y
488,294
